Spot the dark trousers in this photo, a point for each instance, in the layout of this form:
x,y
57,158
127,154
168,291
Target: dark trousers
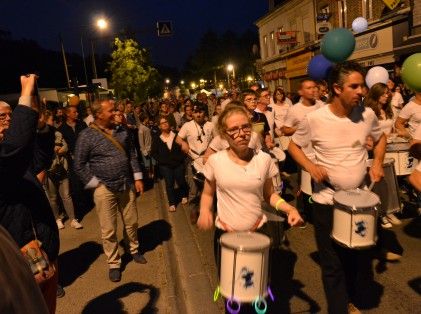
x,y
339,265
172,175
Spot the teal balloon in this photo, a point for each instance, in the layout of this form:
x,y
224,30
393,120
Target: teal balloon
x,y
338,44
411,72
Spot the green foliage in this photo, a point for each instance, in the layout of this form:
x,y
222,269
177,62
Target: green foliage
x,y
132,76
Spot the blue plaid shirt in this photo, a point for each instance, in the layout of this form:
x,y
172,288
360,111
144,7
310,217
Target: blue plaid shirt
x,y
97,160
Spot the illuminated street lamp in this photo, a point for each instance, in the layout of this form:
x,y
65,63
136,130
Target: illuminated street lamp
x,y
182,82
101,24
193,85
167,81
230,68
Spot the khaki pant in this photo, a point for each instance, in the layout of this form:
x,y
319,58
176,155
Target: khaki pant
x,y
108,205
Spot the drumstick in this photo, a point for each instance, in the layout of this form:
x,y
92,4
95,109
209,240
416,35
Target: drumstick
x,y
371,186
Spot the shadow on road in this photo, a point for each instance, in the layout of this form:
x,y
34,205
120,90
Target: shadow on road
x,y
283,286
153,234
413,228
76,262
110,302
415,284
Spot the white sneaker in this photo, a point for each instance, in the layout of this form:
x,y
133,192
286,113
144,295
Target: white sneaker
x,y
385,222
393,219
60,224
184,200
76,224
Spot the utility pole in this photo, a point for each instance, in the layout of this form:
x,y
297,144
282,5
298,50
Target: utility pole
x,y
64,61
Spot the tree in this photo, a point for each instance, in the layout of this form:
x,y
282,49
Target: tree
x,y
131,74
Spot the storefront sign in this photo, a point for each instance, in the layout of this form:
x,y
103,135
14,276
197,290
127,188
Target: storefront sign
x,y
285,38
323,27
297,66
391,4
374,43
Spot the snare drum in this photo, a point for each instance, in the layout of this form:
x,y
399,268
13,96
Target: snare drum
x,y
404,164
276,180
387,189
244,266
355,218
284,141
306,182
197,170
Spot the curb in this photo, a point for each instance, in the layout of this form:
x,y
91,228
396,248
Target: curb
x,y
192,288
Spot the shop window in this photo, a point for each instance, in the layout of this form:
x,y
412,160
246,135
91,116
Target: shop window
x,y
367,9
272,43
265,46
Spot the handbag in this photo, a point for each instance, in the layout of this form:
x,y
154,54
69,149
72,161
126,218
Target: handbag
x,y
37,260
57,172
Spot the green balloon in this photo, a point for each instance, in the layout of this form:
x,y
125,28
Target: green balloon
x,y
338,44
411,72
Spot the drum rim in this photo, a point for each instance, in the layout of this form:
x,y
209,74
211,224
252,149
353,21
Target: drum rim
x,y
350,209
240,248
360,247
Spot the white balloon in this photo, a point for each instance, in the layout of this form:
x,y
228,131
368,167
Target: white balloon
x,y
375,75
359,25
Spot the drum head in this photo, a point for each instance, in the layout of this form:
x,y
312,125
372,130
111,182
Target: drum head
x,y
278,153
356,198
245,241
397,147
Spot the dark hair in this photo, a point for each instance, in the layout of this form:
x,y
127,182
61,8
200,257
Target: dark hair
x,y
372,100
259,91
247,92
340,71
278,90
302,81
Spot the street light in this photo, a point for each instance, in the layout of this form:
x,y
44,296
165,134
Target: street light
x,y
167,81
101,24
182,82
230,68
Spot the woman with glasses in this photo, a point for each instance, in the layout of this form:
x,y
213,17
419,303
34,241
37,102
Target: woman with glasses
x,y
280,107
242,178
170,158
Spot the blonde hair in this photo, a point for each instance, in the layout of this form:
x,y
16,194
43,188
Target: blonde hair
x,y
230,109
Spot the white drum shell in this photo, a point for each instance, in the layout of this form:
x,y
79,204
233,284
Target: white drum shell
x,y
239,260
306,182
387,189
355,227
404,164
284,142
276,180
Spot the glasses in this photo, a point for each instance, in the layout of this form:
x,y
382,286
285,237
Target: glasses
x,y
250,99
235,132
3,115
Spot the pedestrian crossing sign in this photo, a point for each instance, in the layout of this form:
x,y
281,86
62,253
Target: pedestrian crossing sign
x,y
164,28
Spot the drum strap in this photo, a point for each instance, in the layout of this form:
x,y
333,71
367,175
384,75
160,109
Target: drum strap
x,y
253,228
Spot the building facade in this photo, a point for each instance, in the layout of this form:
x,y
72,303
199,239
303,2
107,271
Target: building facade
x,y
291,31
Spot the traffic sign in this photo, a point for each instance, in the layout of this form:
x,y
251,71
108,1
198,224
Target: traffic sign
x,y
164,28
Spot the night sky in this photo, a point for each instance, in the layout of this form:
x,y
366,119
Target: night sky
x,y
43,20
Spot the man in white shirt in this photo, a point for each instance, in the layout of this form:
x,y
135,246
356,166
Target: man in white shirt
x,y
263,101
194,138
337,134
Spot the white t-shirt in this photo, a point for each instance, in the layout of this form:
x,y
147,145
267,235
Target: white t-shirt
x,y
411,112
295,115
218,143
168,140
386,126
280,113
239,188
339,146
196,136
417,134
396,102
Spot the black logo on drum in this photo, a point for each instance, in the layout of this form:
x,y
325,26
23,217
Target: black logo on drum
x,y
361,228
410,162
247,275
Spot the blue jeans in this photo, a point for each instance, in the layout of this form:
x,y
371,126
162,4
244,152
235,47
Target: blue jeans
x,y
172,175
